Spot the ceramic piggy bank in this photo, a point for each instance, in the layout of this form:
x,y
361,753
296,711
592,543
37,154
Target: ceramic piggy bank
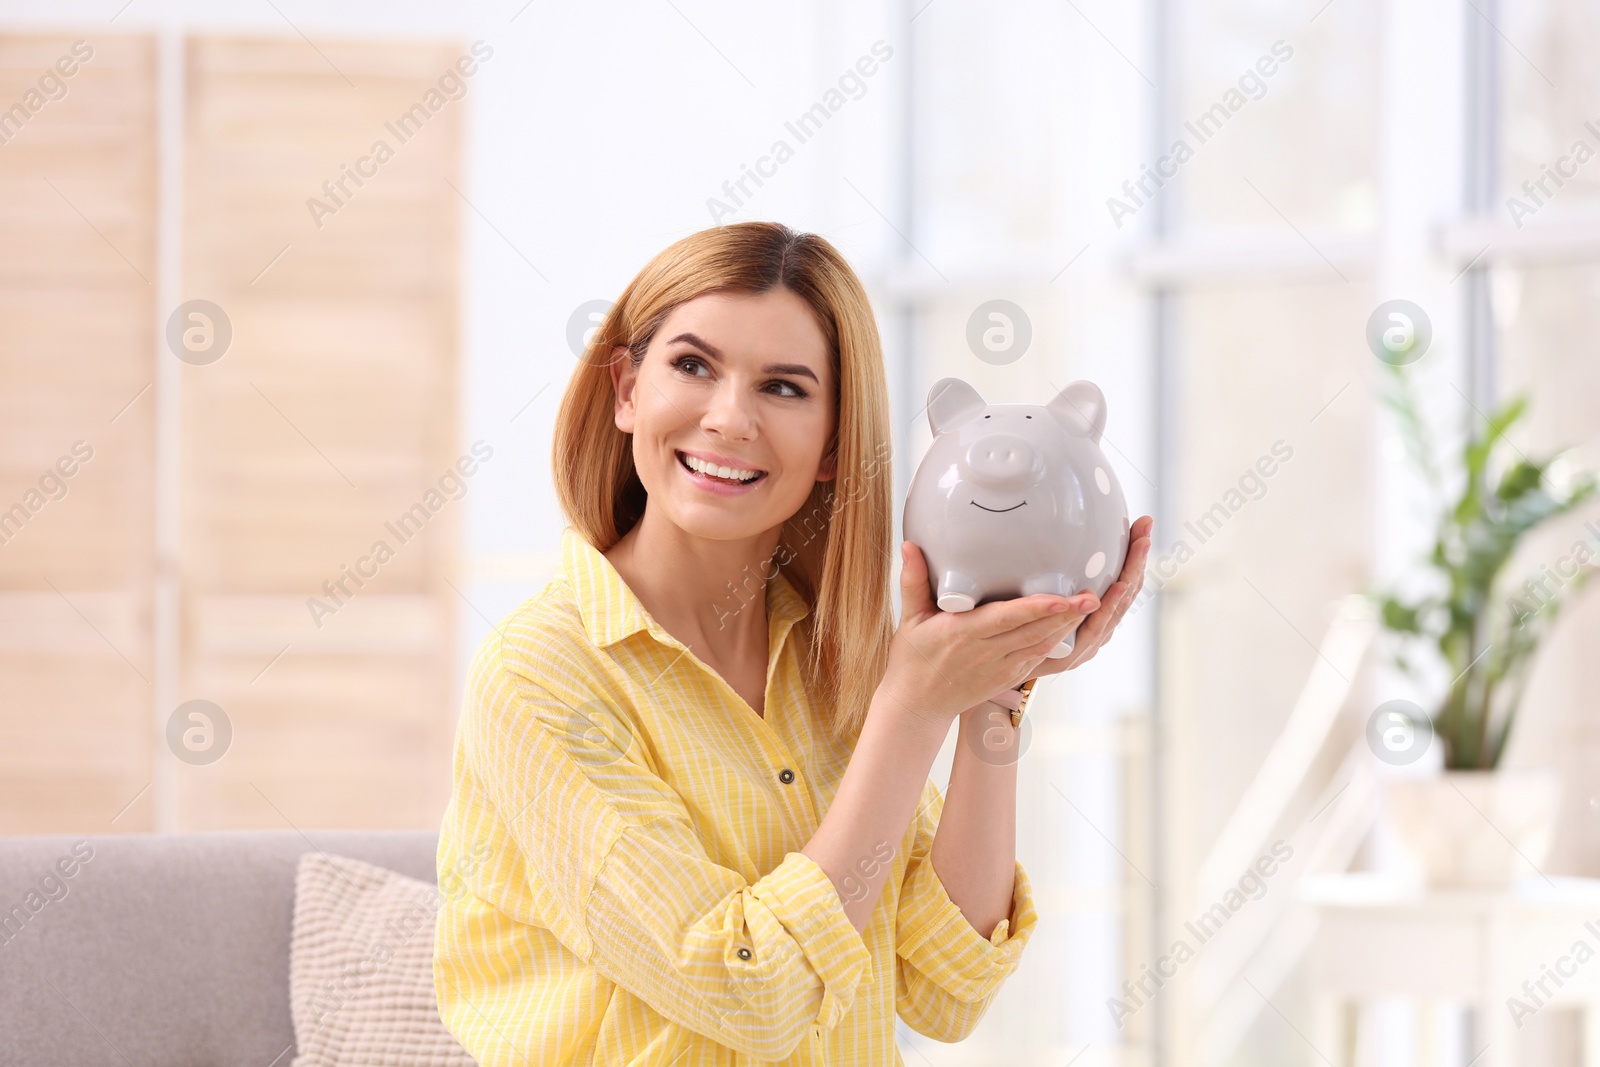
x,y
1016,499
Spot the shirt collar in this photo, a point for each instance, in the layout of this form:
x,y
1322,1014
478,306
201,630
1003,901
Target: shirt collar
x,y
611,612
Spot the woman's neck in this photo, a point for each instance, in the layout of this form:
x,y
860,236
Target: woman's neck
x,y
711,595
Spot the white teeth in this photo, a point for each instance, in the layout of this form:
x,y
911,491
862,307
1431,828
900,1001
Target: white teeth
x,y
730,473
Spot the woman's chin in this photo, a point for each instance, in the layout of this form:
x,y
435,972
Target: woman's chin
x,y
702,521
721,518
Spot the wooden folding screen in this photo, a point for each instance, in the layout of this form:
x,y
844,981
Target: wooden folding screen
x,y
77,351
327,425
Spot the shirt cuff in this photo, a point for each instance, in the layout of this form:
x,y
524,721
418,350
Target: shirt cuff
x,y
803,898
935,937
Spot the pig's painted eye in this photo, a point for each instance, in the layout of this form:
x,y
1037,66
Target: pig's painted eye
x,y
988,416
1027,416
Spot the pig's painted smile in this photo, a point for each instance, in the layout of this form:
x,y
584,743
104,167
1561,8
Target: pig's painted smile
x,y
998,511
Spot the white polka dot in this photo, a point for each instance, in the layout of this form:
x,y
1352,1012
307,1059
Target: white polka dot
x,y
1102,479
1096,564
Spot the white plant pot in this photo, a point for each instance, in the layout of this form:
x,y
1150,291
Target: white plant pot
x,y
1477,829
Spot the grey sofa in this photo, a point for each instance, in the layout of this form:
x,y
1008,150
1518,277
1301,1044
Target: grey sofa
x,y
161,949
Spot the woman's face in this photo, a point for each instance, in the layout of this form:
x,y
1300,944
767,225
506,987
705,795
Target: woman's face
x,y
730,380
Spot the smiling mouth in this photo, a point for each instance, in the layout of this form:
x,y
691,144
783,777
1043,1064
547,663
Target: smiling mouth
x,y
709,471
998,511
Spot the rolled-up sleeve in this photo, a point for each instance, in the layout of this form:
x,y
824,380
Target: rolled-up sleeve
x,y
624,881
947,974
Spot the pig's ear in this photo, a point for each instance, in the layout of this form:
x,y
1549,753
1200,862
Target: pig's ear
x,y
1082,407
951,402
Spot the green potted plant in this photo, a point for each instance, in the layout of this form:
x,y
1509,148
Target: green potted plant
x,y
1478,823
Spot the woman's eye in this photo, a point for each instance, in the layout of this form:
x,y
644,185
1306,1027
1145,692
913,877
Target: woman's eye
x,y
696,367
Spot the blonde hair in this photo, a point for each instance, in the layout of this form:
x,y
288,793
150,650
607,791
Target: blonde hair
x,y
835,549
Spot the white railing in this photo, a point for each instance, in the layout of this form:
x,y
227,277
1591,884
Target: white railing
x,y
1271,938
1292,756
1271,935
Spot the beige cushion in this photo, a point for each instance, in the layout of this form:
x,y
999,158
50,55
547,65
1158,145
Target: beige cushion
x,y
361,968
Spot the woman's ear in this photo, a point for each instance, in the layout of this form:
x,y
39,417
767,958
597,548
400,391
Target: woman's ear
x,y
624,375
828,469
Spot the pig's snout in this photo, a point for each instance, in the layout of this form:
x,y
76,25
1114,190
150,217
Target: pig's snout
x,y
1001,460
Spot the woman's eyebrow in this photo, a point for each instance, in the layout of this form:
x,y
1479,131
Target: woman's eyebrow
x,y
771,368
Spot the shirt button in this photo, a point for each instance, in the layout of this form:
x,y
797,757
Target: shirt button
x,y
744,954
786,776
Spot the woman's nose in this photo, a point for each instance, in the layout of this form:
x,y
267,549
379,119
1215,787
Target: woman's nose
x,y
729,413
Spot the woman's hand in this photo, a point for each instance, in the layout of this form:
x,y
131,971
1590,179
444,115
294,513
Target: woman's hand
x,y
941,663
1098,627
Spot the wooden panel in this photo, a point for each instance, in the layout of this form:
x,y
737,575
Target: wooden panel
x,y
77,266
332,414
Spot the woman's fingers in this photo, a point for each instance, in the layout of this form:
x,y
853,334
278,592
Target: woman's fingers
x,y
1021,631
1132,577
1003,616
1078,607
1138,551
1097,630
916,599
1127,602
1133,571
1053,666
1048,632
1097,627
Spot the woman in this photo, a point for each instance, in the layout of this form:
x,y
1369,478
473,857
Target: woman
x,y
692,820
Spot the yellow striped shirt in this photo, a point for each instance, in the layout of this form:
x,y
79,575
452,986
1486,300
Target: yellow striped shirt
x,y
620,859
